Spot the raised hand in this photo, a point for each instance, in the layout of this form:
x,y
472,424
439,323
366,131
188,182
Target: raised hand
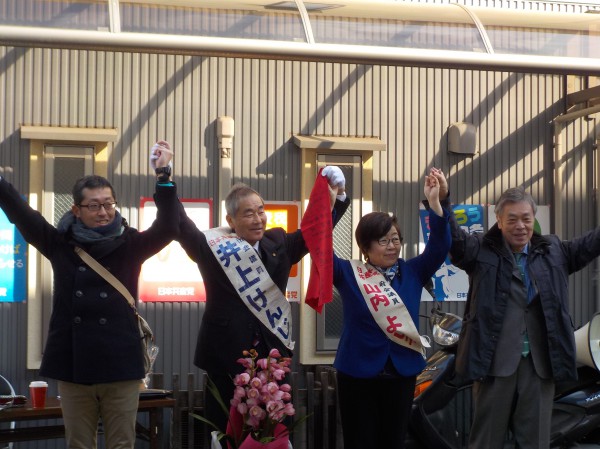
x,y
432,193
160,154
432,188
335,177
439,174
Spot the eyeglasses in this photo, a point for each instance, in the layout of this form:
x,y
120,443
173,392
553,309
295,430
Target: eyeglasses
x,y
385,242
95,207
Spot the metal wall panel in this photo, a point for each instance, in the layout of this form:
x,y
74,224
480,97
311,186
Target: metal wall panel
x,y
150,96
527,5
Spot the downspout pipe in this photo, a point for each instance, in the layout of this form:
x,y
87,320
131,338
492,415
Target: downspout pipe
x,y
225,134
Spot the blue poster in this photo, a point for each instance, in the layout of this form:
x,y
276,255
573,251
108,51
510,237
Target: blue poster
x,y
449,282
13,262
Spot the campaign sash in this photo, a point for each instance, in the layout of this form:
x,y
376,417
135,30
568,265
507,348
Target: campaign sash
x,y
246,272
387,308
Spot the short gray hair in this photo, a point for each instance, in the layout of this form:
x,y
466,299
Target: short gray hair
x,y
238,192
515,195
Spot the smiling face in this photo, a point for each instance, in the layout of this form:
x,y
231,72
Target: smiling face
x,y
250,220
516,222
385,256
94,219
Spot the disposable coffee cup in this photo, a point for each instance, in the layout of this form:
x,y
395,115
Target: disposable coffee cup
x,y
37,393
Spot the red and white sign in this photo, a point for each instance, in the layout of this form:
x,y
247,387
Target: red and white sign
x,y
170,275
286,215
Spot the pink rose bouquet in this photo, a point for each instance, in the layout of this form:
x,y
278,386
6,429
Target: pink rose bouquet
x,y
260,400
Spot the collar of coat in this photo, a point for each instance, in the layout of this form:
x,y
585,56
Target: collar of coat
x,y
494,237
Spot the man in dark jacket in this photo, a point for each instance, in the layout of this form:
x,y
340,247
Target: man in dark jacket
x,y
94,347
517,336
245,269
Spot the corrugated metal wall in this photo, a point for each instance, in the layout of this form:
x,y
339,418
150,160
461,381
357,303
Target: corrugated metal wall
x,y
149,96
527,5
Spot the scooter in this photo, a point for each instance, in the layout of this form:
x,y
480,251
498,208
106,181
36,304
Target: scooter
x,y
441,412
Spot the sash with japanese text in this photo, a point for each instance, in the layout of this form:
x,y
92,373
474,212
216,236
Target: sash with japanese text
x,y
387,308
252,282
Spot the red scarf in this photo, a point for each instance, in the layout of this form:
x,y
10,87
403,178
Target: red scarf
x,y
317,229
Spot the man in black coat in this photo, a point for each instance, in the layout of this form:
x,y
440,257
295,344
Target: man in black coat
x,y
94,347
242,317
517,335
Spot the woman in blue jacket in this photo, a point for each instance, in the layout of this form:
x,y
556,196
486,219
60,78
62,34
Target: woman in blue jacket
x,y
380,351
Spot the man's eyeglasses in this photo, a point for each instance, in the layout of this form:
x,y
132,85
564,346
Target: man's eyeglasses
x,y
385,242
95,207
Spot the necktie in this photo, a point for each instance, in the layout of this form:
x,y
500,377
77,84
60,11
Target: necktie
x,y
521,265
521,260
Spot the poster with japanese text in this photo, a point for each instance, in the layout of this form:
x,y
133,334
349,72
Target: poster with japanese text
x,y
13,262
449,282
170,275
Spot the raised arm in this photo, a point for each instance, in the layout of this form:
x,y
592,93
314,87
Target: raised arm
x,y
465,247
165,227
432,193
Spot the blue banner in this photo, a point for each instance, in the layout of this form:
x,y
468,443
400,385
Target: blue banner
x,y
13,262
449,282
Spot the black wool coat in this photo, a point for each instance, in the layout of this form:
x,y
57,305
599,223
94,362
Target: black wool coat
x,y
93,335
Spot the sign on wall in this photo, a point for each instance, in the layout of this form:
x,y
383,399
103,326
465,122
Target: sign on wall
x,y
170,275
449,282
286,215
13,262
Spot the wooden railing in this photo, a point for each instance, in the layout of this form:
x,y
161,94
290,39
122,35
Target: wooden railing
x,y
314,396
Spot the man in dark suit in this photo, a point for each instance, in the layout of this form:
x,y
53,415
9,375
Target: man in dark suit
x,y
517,337
246,307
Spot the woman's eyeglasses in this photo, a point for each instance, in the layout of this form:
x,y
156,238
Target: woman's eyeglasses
x,y
385,242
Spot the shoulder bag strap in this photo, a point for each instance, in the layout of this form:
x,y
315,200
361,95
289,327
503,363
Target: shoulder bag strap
x,y
107,275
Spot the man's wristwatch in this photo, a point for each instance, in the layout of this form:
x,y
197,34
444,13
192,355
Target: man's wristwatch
x,y
163,173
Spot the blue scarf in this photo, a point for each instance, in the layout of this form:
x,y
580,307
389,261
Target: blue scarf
x,y
83,234
389,273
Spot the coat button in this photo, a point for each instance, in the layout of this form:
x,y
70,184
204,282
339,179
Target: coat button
x,y
79,293
103,295
77,320
82,268
102,321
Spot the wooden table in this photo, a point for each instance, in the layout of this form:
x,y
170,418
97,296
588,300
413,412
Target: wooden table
x,y
52,410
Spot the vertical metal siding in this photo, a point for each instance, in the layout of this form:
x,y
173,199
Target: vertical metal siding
x,y
528,5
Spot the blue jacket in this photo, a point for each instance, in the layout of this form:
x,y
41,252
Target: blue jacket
x,y
364,348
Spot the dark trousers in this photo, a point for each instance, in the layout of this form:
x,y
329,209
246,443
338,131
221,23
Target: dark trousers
x,y
213,411
522,402
375,411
